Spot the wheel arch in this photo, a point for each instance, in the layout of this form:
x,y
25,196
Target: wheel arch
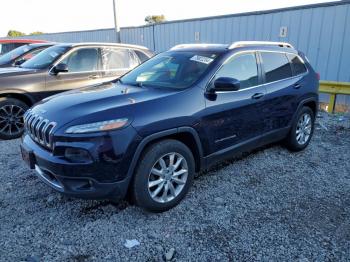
x,y
311,102
186,135
25,98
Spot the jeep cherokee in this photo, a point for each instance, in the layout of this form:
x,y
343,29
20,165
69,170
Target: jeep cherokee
x,y
147,133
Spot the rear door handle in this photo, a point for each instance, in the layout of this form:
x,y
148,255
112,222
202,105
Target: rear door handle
x,y
257,96
94,76
297,86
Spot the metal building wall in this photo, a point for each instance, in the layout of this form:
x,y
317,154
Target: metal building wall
x,y
321,31
98,35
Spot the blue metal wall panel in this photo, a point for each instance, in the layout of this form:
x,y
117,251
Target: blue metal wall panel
x,y
102,35
344,66
321,31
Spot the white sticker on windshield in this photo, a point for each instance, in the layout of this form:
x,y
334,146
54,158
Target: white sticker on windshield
x,y
53,54
202,59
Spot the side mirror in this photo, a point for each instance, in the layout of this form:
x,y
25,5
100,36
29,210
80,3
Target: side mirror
x,y
19,62
60,68
226,84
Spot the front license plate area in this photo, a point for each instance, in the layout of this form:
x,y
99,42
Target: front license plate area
x,y
28,157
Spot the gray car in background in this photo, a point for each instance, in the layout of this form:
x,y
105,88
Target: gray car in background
x,y
60,68
22,54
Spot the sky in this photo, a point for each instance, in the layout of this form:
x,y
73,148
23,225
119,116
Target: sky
x,y
74,15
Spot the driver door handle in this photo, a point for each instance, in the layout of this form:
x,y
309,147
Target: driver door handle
x,y
257,96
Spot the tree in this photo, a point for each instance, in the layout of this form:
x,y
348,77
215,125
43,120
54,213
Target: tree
x,y
36,33
14,33
154,19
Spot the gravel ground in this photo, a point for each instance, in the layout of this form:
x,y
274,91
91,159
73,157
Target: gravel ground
x,y
269,205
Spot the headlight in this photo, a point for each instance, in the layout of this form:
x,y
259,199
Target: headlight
x,y
98,126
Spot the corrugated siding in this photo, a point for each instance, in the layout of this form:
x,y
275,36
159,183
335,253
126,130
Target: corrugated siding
x,y
102,35
322,33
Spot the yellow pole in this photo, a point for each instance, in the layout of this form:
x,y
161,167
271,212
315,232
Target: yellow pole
x,y
331,104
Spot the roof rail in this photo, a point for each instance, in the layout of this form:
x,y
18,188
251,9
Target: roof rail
x,y
108,44
267,43
180,46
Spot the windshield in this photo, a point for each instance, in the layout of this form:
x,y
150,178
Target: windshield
x,y
8,57
45,58
171,70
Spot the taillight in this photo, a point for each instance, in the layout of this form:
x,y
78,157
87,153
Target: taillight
x,y
318,76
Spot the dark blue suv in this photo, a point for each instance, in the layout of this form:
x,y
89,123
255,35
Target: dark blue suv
x,y
147,133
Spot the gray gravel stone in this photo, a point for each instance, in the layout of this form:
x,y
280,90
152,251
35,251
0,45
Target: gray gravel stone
x,y
170,254
278,206
219,200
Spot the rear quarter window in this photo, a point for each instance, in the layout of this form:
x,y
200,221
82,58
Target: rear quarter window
x,y
142,56
297,64
118,58
276,66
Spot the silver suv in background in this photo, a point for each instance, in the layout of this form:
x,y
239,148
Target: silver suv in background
x,y
60,68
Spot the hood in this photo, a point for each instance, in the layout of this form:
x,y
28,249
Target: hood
x,y
13,71
96,103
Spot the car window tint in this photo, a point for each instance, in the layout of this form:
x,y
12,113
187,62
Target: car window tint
x,y
142,56
134,59
14,54
297,64
243,68
45,58
171,70
118,58
31,54
276,66
82,60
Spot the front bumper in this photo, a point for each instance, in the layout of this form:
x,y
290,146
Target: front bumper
x,y
87,187
101,178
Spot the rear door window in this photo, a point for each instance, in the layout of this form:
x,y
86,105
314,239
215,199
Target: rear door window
x,y
276,66
297,64
118,59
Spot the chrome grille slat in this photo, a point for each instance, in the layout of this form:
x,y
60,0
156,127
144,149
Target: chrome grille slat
x,y
30,119
36,127
39,129
32,123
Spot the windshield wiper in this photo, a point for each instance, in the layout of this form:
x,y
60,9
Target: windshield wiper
x,y
118,80
138,84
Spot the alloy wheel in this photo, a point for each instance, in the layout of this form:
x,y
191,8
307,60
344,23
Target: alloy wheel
x,y
11,120
304,128
168,177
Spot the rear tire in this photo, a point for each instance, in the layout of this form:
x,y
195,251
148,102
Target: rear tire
x,y
164,175
11,118
302,130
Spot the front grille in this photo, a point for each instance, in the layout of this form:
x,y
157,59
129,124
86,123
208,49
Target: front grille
x,y
39,128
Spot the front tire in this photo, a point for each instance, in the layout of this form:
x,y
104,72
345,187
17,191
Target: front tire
x,y
11,118
164,175
302,130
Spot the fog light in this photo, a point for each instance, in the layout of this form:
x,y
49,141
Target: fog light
x,y
77,155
